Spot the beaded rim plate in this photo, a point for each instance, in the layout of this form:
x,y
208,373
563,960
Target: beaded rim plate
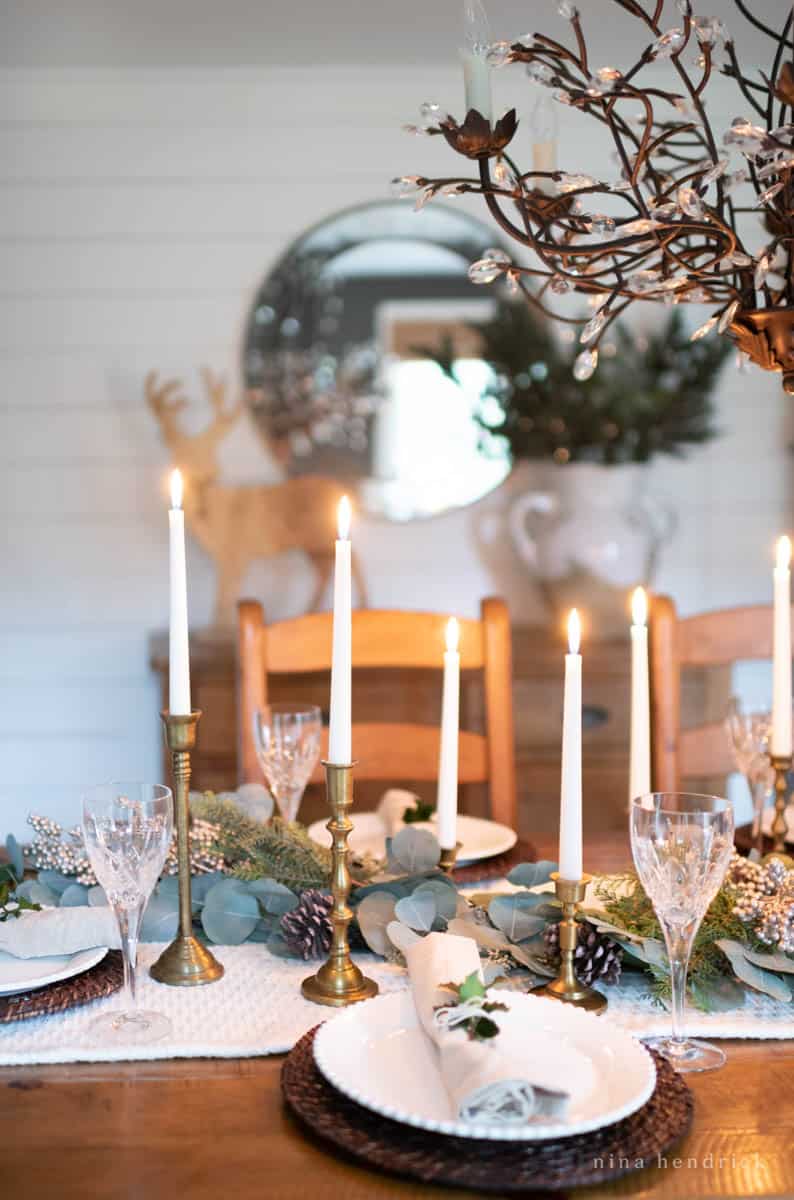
x,y
26,974
377,1054
480,839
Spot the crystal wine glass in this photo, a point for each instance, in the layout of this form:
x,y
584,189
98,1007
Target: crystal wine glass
x,y
749,734
682,845
127,829
287,738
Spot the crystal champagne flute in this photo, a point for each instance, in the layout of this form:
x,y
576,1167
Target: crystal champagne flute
x,y
749,735
127,829
287,739
682,845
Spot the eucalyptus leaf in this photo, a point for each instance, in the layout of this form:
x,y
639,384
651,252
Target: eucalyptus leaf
x,y
531,875
37,893
656,954
445,895
405,885
15,857
415,849
514,916
770,962
374,913
199,886
533,961
755,977
418,911
401,936
75,896
483,935
161,918
230,913
56,881
275,898
722,995
97,897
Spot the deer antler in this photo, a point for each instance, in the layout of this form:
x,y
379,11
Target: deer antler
x,y
158,395
215,387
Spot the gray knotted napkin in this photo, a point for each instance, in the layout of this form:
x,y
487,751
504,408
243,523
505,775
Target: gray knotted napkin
x,y
55,931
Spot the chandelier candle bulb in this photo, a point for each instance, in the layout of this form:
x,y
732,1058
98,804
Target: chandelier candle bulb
x,y
340,731
781,659
178,651
447,798
544,143
640,754
570,867
476,69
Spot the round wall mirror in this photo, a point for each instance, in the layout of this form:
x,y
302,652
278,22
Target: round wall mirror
x,y
345,354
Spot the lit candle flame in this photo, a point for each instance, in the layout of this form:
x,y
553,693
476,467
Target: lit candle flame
x,y
452,634
343,519
639,607
574,632
783,553
176,489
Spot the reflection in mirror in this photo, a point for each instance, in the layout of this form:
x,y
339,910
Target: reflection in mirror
x,y
336,360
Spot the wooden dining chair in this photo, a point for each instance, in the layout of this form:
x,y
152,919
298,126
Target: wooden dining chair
x,y
384,639
711,639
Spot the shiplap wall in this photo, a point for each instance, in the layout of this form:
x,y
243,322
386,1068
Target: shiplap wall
x,y
138,210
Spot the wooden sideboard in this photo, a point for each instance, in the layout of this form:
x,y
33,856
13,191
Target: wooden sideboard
x,y
416,696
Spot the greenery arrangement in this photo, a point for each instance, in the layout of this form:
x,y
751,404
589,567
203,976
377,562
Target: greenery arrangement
x,y
273,888
650,396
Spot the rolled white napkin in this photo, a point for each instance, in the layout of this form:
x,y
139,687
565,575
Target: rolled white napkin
x,y
491,1081
391,807
59,931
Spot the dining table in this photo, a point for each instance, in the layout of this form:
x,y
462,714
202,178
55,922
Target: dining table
x,y
218,1129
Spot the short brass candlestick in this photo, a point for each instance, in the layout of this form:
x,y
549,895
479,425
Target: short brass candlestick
x,y
185,963
339,981
566,987
448,858
781,764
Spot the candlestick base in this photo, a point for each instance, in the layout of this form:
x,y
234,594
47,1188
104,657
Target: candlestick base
x,y
781,764
566,987
185,963
339,982
448,858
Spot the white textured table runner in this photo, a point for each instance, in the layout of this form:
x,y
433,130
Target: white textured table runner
x,y
257,1009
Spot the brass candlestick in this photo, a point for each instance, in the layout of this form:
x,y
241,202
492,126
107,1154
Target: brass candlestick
x,y
339,981
781,765
449,858
566,987
185,963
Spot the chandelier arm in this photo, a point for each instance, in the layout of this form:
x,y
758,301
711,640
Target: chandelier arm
x,y
775,68
536,303
753,20
745,85
577,28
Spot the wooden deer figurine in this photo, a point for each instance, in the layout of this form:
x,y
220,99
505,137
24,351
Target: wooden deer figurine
x,y
237,525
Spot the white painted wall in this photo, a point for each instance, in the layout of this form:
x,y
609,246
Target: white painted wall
x,y
138,211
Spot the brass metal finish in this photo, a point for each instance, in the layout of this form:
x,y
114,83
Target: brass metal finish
x,y
186,962
339,982
566,987
449,858
781,766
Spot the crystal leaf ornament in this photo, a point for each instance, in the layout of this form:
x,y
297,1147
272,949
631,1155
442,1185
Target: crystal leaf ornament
x,y
585,365
668,44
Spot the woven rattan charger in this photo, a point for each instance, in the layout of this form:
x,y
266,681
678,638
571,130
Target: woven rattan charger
x,y
502,1167
94,984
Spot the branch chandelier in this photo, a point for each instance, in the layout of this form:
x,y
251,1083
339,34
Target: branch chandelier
x,y
679,193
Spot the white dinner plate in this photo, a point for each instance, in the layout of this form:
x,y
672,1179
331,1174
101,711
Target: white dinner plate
x,y
479,838
377,1053
26,974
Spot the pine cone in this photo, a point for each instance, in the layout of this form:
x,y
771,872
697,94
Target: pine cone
x,y
307,929
596,955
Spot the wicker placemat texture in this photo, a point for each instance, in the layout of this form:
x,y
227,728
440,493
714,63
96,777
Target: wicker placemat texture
x,y
500,864
102,980
490,1166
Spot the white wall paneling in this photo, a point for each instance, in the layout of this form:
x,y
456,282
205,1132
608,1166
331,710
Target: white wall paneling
x,y
138,210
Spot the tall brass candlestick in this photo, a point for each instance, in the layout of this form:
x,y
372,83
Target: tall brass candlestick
x,y
781,765
185,963
339,981
566,987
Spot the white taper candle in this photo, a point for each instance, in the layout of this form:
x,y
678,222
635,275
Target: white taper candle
x,y
178,647
476,71
340,731
570,864
640,754
781,658
447,797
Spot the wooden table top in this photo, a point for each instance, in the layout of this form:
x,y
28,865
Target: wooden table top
x,y
217,1129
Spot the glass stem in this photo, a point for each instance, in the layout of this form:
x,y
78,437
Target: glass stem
x,y
129,920
759,798
678,939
